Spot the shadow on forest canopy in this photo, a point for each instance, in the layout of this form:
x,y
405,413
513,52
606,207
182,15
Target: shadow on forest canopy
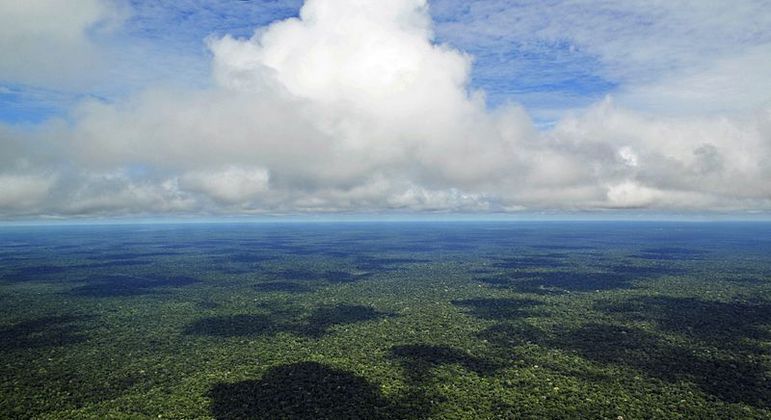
x,y
311,390
560,282
671,253
122,285
315,325
723,324
734,377
282,287
531,261
498,309
331,276
34,273
301,390
50,331
419,359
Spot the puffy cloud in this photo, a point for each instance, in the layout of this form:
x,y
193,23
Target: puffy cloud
x,y
328,99
116,193
352,106
724,156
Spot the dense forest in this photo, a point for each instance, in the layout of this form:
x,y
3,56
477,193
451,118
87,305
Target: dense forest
x,y
386,320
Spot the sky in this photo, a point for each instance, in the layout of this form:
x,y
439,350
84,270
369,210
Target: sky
x,y
290,108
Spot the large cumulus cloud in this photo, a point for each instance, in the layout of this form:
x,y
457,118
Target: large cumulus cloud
x,y
352,106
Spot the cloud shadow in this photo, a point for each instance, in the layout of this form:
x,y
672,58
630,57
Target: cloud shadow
x,y
306,390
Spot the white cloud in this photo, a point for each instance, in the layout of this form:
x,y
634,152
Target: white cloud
x,y
679,163
22,192
229,186
109,193
631,195
49,42
314,100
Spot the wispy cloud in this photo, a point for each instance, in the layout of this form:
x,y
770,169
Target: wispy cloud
x,y
629,48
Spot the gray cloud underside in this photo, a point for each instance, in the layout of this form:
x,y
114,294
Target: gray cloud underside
x,y
353,107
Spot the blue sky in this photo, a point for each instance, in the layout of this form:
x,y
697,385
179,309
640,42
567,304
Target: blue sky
x,y
290,108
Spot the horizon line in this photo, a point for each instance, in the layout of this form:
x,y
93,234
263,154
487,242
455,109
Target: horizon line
x,y
362,218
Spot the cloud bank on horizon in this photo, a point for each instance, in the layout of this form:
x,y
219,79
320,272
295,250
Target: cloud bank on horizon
x,y
372,106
